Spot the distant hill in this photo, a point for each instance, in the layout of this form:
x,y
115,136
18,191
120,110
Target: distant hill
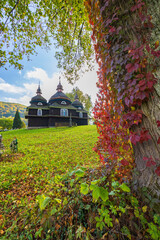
x,y
9,109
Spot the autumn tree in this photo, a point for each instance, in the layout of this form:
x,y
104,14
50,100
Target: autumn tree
x,y
85,99
30,23
17,123
127,109
6,123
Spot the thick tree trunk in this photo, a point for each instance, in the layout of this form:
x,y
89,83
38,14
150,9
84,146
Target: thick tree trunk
x,y
146,175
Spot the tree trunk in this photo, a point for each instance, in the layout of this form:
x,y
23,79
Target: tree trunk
x,y
146,175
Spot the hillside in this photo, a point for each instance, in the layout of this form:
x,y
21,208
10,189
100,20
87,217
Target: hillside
x,y
9,109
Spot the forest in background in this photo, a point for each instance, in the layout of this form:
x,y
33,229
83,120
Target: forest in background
x,y
9,109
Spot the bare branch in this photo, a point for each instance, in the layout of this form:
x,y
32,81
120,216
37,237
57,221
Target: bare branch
x,y
11,12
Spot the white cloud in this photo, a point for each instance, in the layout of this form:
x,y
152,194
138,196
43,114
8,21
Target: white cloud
x,y
22,100
87,84
37,73
1,80
9,88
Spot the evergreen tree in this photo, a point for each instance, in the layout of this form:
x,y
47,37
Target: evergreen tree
x,y
17,123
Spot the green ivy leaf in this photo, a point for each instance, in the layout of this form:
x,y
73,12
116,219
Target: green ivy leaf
x,y
125,188
96,192
43,201
53,211
126,231
157,219
153,231
103,194
84,188
79,173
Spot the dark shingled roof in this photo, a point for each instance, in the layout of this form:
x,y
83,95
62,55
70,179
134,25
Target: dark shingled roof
x,y
38,98
59,95
77,104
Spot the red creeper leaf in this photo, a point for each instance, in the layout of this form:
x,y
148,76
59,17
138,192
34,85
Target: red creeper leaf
x,y
150,163
158,123
124,162
157,171
158,140
145,136
134,138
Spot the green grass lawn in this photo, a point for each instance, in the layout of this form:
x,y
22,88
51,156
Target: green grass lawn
x,y
54,188
42,154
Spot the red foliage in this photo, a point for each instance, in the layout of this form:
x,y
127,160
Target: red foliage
x,y
126,80
158,140
157,171
158,123
150,163
124,162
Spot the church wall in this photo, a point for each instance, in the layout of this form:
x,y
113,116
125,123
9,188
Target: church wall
x,y
37,122
85,115
53,122
72,112
32,111
82,122
45,112
54,111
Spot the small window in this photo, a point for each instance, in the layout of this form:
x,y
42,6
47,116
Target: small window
x,y
64,112
39,112
39,103
81,115
63,102
79,108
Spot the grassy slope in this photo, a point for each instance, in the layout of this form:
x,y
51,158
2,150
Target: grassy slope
x,y
90,205
42,154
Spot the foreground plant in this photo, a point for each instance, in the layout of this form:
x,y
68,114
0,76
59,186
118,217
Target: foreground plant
x,y
85,204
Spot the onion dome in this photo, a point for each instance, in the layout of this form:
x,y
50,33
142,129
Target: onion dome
x,y
59,96
77,103
59,87
39,92
38,99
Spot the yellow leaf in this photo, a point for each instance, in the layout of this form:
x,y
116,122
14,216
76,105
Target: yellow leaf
x,y
144,209
156,44
117,221
1,232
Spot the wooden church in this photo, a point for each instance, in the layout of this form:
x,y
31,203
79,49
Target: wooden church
x,y
58,111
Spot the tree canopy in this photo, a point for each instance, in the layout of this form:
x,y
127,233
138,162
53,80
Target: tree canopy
x,y
6,123
17,123
26,24
85,99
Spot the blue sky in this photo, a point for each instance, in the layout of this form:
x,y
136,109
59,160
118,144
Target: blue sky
x,y
20,86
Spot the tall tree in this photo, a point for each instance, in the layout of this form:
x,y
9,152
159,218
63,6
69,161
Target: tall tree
x,y
6,123
17,123
85,99
128,101
29,23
